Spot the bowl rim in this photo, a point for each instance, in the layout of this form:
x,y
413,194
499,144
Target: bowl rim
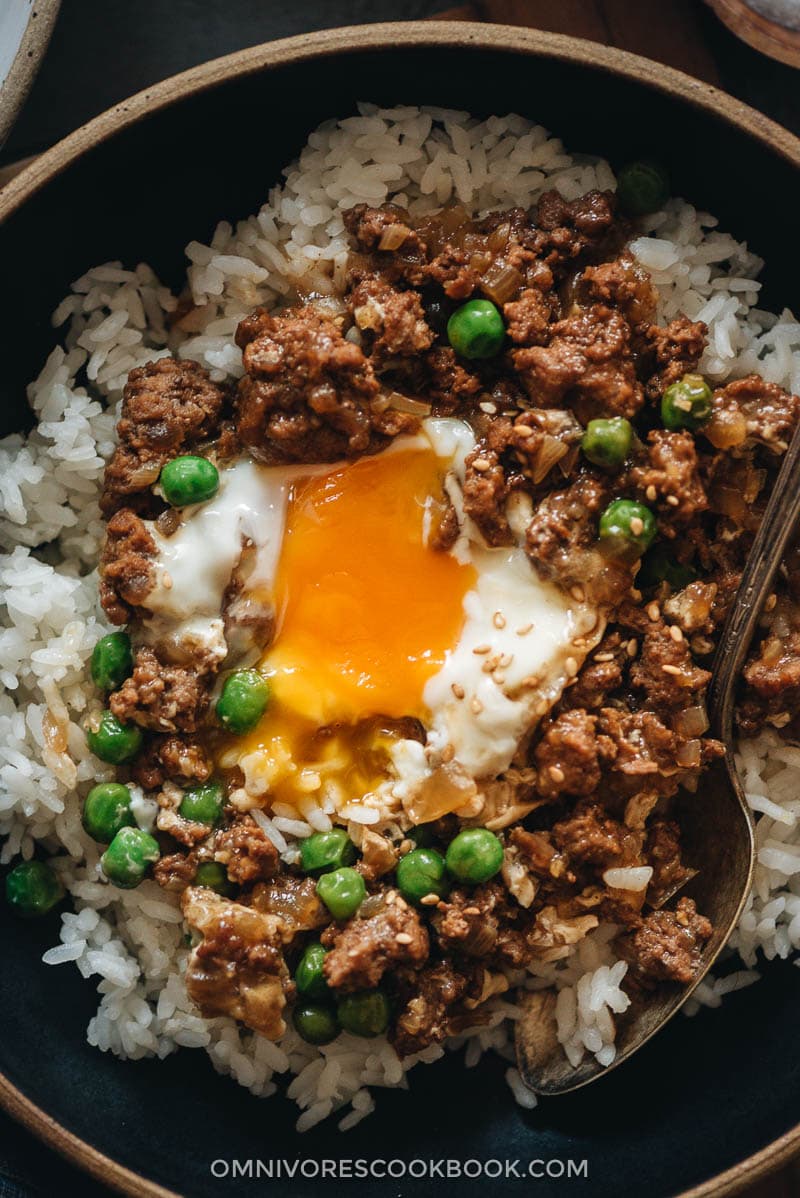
x,y
26,62
325,43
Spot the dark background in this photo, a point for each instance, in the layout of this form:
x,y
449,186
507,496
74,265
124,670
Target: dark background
x,y
103,50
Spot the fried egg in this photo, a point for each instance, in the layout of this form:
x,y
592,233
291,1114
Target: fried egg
x,y
390,658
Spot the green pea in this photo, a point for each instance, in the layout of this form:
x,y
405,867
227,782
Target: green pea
x,y
342,891
475,855
687,403
607,443
112,661
202,803
189,479
628,527
309,976
244,699
323,851
33,888
476,329
364,1014
315,1023
113,741
642,187
421,872
659,566
214,877
129,856
106,809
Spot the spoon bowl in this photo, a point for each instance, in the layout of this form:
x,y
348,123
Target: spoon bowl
x,y
716,822
720,888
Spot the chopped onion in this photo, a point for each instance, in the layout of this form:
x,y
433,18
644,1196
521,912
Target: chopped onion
x,y
691,722
499,237
501,282
688,755
404,403
446,789
551,451
146,474
727,427
393,237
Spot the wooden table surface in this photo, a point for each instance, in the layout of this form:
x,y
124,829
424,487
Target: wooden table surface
x,y
680,33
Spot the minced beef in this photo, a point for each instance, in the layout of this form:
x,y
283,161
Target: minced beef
x,y
669,478
161,696
667,946
169,407
308,394
127,572
246,851
363,949
586,364
672,351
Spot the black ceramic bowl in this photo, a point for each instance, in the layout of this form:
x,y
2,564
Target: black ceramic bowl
x,y
713,1101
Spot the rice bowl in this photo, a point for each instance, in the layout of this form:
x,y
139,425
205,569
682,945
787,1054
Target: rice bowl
x,y
119,319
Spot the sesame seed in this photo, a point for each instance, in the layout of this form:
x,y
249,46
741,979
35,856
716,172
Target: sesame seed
x,y
400,902
525,430
675,633
166,581
481,465
653,611
632,647
771,601
403,938
604,657
488,407
671,670
505,661
499,677
578,592
651,493
524,630
458,690
541,707
571,666
499,620
673,500
429,900
448,753
637,526
480,649
476,707
531,680
391,896
556,773
472,910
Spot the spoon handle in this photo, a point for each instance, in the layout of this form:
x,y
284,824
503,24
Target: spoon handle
x,y
769,546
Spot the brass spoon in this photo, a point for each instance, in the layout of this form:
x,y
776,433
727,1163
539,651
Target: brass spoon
x,y
717,825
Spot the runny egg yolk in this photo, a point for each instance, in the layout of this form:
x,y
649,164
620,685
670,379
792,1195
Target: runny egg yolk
x,y
366,608
366,612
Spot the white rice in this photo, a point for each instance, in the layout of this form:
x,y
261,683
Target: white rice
x,y
116,318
